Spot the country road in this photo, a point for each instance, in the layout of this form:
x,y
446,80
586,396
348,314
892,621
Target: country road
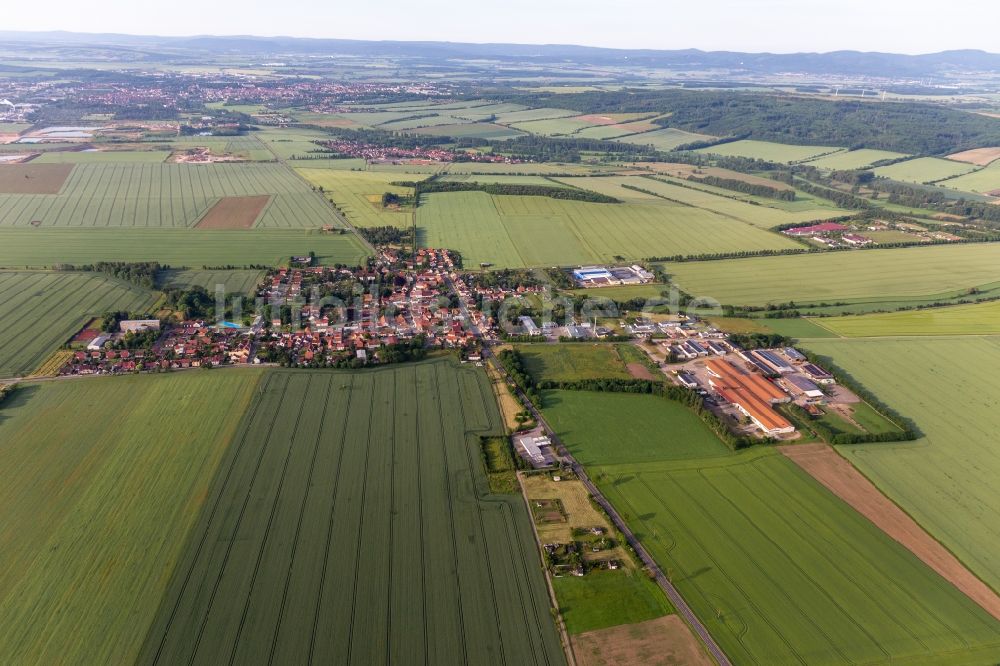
x,y
668,588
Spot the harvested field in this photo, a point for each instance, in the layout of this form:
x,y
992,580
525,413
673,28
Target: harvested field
x,y
847,483
350,522
33,178
978,156
234,212
665,641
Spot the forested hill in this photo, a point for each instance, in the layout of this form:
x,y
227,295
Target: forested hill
x,y
905,127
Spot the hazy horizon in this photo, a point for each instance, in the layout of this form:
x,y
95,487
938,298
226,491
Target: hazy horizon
x,y
769,26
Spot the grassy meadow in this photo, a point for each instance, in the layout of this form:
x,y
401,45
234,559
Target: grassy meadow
x,y
592,425
103,480
358,194
39,311
573,361
924,170
854,159
233,281
772,152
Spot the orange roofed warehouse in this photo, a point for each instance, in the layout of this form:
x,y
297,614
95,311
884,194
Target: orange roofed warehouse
x,y
752,394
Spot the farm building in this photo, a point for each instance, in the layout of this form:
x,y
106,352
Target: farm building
x,y
803,386
534,448
794,354
592,275
98,343
824,228
753,395
817,374
529,326
773,361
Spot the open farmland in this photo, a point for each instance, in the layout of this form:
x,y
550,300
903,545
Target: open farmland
x,y
572,362
985,181
590,424
40,311
879,276
369,537
854,159
103,480
924,170
781,571
33,178
234,212
101,156
470,130
769,151
947,480
977,156
174,247
163,195
665,139
764,215
232,281
975,319
359,195
539,231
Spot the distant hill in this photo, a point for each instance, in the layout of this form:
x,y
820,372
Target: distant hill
x,y
945,63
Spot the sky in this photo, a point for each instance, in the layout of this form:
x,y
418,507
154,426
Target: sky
x,y
777,26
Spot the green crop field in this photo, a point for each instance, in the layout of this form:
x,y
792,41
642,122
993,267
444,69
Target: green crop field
x,y
524,169
985,180
103,480
503,179
946,481
976,319
591,426
174,247
781,571
289,143
350,523
665,139
772,152
511,231
554,126
854,159
762,214
358,194
233,281
573,361
39,311
924,170
470,130
164,195
524,115
879,276
98,157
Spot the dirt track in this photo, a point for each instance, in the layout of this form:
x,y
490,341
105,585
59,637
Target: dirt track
x,y
840,477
